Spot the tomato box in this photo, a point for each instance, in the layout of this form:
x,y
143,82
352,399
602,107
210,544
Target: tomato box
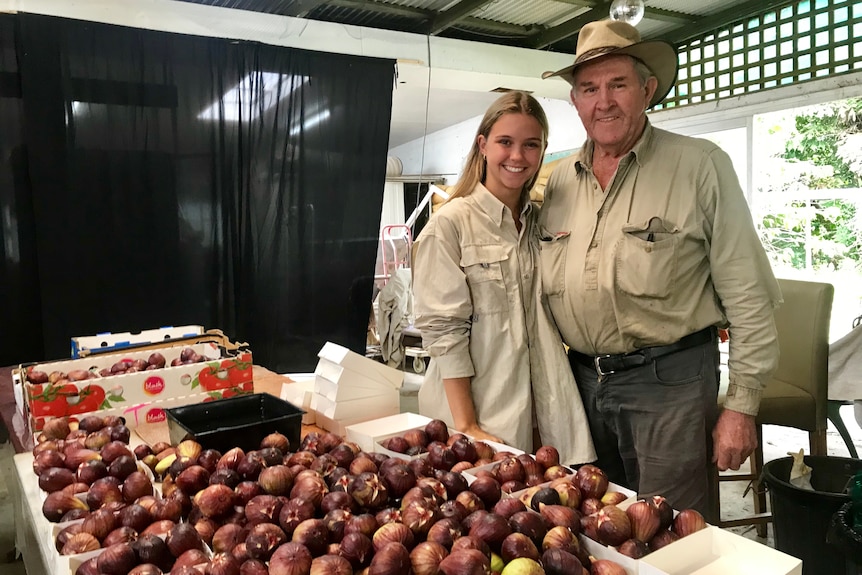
x,y
107,342
75,386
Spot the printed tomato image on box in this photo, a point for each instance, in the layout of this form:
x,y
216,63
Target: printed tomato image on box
x,y
229,373
63,399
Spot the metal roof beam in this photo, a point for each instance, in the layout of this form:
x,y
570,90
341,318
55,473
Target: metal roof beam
x,y
302,8
380,8
569,27
671,16
455,13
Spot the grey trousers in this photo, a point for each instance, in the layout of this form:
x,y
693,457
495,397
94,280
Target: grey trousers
x,y
652,425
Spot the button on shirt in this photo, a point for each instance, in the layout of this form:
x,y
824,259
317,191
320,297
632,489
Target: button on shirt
x,y
667,250
478,305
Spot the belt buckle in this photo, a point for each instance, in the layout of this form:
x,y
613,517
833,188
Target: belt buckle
x,y
597,361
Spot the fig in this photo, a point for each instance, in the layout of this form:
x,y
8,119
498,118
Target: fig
x,y
592,481
613,497
561,538
313,535
488,490
530,524
517,545
121,534
57,504
465,562
426,557
392,533
645,520
523,566
661,539
544,496
548,456
613,526
117,559
290,559
633,548
392,559
687,522
214,500
492,529
356,547
80,543
437,430
55,479
559,562
606,567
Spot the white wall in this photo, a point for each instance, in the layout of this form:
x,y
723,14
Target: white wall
x,y
444,152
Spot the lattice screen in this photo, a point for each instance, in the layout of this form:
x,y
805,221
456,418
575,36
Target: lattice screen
x,y
802,41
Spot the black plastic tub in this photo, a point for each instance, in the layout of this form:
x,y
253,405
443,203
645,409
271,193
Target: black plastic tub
x,y
801,518
242,421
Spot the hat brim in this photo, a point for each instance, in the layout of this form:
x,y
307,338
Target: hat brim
x,y
659,56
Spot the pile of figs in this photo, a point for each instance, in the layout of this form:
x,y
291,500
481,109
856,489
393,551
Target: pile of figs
x,y
325,507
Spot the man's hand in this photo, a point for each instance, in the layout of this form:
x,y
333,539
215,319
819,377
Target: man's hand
x,y
734,439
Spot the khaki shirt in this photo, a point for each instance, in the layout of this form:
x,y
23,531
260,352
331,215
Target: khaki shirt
x,y
478,305
667,250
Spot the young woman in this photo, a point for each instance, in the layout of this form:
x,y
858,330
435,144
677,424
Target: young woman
x,y
498,367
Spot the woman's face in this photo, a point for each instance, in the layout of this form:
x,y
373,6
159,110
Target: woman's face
x,y
513,150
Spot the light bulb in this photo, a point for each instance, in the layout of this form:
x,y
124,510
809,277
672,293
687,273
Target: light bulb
x,y
629,11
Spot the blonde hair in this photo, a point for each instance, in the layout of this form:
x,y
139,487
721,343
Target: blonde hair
x,y
514,102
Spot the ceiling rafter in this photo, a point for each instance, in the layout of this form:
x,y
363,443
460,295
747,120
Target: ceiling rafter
x,y
671,16
302,8
569,27
380,8
455,13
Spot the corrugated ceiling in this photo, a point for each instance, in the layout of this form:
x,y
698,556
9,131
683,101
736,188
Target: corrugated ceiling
x,y
543,24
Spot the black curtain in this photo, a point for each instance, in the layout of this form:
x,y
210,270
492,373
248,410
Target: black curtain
x,y
161,179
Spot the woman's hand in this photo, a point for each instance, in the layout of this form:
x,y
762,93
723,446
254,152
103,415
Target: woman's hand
x,y
463,412
479,434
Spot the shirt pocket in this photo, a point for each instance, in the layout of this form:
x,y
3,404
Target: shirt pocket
x,y
552,259
646,260
483,266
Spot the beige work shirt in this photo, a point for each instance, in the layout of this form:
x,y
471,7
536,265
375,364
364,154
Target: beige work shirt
x,y
477,302
667,250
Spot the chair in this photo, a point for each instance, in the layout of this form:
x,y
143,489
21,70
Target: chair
x,y
796,396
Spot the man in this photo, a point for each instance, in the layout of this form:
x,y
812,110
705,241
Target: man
x,y
648,245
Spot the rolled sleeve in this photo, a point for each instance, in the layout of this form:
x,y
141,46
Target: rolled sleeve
x,y
442,305
745,285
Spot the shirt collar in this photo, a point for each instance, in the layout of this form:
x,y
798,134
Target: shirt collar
x,y
640,151
492,206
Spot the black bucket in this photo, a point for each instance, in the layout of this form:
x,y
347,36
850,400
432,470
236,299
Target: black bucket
x,y
801,517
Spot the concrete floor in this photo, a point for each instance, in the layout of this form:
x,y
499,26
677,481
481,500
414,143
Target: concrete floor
x,y
778,441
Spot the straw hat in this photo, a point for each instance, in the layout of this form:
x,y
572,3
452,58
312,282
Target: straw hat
x,y
607,37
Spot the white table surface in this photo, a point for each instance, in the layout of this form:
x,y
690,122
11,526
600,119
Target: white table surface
x,y
34,537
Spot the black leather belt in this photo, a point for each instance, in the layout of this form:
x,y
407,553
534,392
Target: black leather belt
x,y
608,364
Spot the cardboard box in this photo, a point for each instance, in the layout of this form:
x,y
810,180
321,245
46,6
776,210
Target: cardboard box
x,y
368,433
348,384
341,356
299,393
355,409
108,342
338,427
219,377
714,551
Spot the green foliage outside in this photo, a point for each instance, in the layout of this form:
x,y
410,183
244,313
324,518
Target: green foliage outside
x,y
826,148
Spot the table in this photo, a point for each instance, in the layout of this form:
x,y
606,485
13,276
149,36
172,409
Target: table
x,y
34,535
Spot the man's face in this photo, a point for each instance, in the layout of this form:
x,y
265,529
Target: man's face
x,y
611,101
